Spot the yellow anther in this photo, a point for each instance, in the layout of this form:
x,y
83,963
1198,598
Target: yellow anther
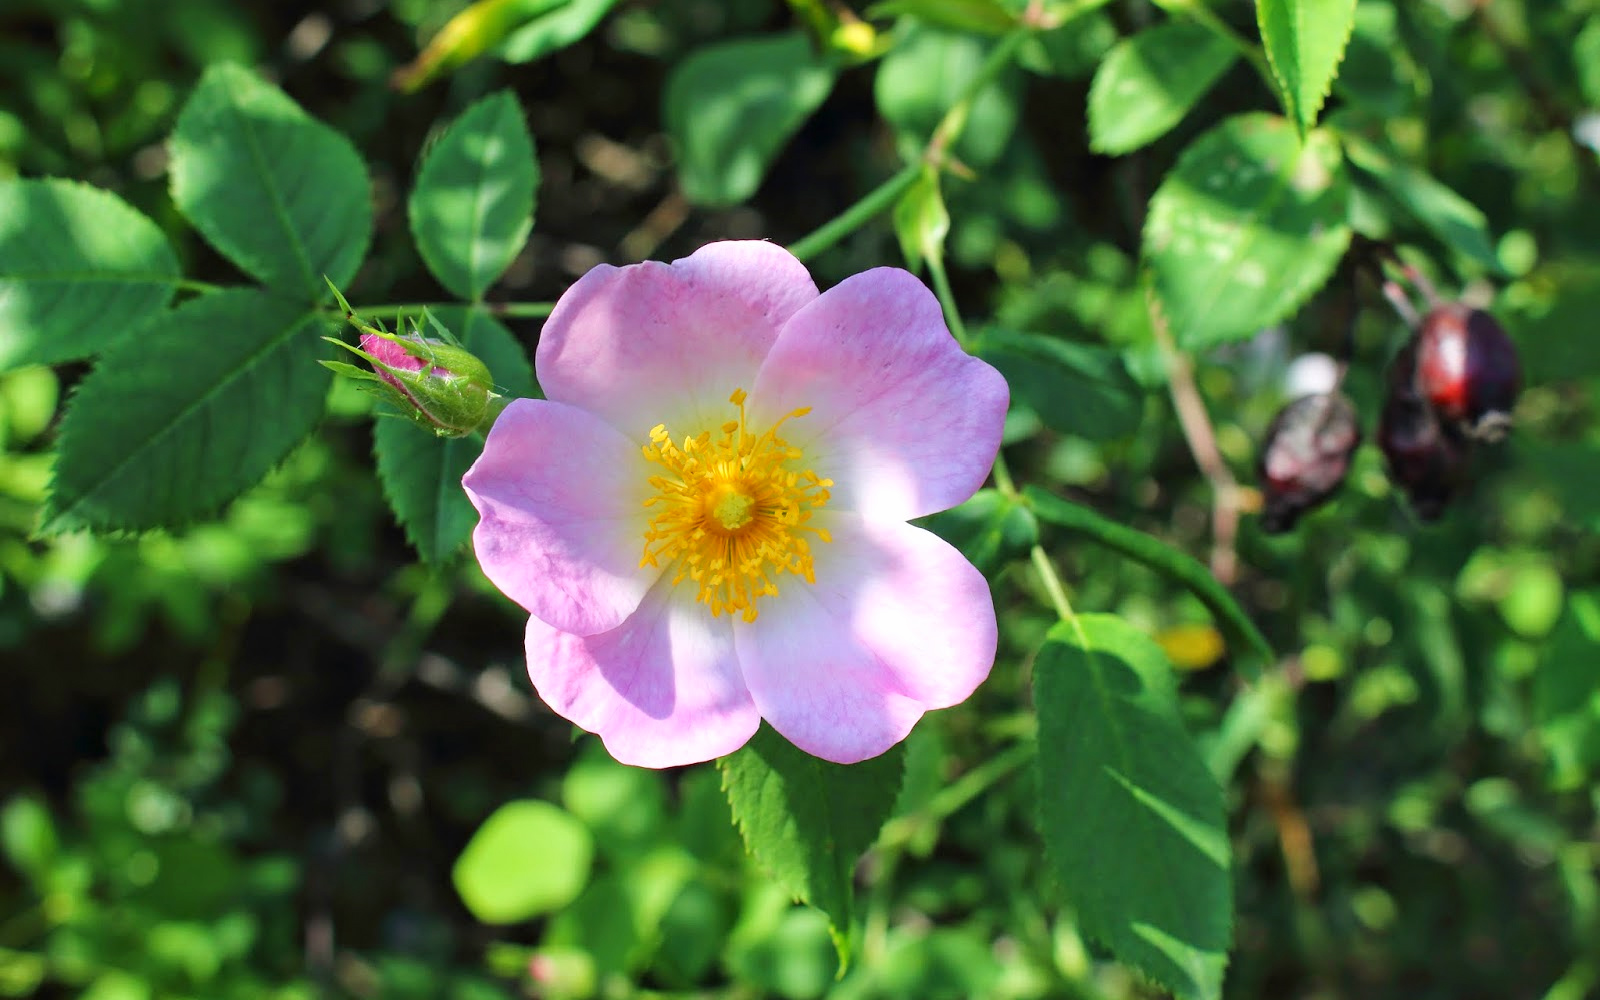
x,y
730,513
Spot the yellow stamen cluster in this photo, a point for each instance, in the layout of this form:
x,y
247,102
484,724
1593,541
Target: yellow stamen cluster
x,y
730,512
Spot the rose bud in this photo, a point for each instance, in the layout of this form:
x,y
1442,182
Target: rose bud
x,y
1305,456
432,381
1467,370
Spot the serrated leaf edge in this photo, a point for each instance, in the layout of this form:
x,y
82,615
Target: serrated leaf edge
x,y
1294,297
1098,933
54,521
1304,118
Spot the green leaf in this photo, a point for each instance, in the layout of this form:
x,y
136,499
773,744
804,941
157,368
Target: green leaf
x,y
182,418
1566,694
1305,40
527,859
28,837
1132,820
1378,74
732,106
921,221
990,529
78,268
1074,388
1586,57
926,73
280,194
554,31
1456,222
472,207
421,473
1137,545
1245,228
809,820
1149,81
986,16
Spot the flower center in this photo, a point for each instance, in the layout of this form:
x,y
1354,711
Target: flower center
x,y
730,511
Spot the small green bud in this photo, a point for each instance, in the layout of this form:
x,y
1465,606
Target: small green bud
x,y
433,381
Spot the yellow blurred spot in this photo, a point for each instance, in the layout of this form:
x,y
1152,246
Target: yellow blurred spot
x,y
1249,500
1321,663
1192,647
857,38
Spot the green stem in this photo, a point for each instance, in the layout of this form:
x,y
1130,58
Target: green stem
x,y
949,128
946,802
955,119
515,310
1052,582
877,200
947,299
190,285
522,310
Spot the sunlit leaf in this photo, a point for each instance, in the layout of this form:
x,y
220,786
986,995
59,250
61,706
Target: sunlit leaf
x,y
527,859
280,194
1245,228
1132,820
472,207
732,106
1149,81
1305,40
808,820
554,30
79,268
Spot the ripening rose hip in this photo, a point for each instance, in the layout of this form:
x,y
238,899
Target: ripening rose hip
x,y
1305,456
1427,457
1467,370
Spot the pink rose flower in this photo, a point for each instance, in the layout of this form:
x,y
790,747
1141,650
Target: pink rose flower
x,y
706,518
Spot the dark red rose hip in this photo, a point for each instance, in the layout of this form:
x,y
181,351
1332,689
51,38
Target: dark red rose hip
x,y
1305,456
1467,370
1427,457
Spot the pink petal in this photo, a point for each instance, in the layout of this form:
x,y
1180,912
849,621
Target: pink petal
x,y
902,420
668,343
662,689
897,623
561,498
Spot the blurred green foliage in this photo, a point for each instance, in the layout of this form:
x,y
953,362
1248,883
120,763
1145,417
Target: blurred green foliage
x,y
246,758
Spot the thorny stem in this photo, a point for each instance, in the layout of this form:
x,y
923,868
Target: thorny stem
x,y
1202,441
